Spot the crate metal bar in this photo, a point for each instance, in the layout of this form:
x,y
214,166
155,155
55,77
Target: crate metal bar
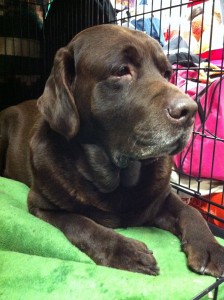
x,y
213,286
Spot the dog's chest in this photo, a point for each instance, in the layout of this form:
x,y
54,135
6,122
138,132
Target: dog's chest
x,y
130,176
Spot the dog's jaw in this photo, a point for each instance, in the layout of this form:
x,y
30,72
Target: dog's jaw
x,y
107,176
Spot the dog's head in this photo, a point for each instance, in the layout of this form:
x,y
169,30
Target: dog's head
x,y
110,86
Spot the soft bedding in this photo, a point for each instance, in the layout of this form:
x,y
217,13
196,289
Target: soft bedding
x,y
38,262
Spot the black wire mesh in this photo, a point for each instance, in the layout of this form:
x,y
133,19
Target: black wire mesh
x,y
191,34
60,26
20,51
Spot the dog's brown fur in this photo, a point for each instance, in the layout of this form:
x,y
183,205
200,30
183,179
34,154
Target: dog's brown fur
x,y
97,151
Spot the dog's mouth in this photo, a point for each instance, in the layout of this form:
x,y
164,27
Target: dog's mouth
x,y
148,154
123,161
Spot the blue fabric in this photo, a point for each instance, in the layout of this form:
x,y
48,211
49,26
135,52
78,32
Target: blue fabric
x,y
151,26
143,2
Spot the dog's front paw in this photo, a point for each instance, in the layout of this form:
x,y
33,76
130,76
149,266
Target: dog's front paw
x,y
132,255
207,259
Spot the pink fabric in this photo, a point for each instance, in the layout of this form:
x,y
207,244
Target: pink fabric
x,y
204,154
215,54
195,2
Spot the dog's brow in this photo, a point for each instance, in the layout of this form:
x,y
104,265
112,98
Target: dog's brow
x,y
133,55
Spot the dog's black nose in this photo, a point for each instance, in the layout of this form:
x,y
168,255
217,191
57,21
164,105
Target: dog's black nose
x,y
182,111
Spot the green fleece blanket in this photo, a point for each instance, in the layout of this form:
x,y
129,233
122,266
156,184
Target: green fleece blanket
x,y
38,262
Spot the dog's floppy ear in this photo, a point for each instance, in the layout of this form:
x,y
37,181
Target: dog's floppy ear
x,y
57,104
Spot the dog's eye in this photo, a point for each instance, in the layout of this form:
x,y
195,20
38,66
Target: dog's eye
x,y
122,71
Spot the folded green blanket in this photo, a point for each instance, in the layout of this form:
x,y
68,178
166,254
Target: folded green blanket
x,y
38,262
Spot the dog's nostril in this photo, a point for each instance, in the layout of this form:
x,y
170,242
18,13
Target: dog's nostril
x,y
184,113
177,112
182,110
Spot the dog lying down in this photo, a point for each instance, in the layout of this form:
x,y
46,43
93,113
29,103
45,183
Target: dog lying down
x,y
96,150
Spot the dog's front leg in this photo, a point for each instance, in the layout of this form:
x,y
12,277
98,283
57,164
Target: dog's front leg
x,y
204,254
103,245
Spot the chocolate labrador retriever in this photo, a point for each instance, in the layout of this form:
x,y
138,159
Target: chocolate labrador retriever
x,y
96,150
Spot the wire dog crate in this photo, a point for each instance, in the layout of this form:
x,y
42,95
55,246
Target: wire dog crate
x,y
191,34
